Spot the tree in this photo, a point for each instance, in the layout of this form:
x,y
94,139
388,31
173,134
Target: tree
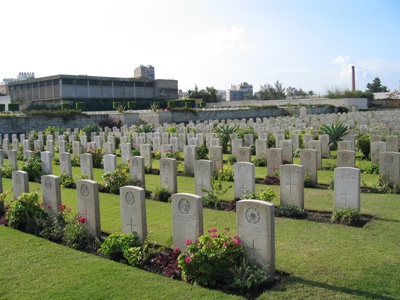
x,y
376,86
209,94
292,92
269,92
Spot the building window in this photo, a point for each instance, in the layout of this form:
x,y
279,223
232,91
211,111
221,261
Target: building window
x,y
94,82
67,81
81,82
106,83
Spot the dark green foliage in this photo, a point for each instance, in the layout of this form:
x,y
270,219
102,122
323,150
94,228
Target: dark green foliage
x,y
115,245
34,168
80,105
371,169
13,106
248,277
131,104
260,162
345,216
65,105
2,107
202,152
161,193
88,129
224,132
376,86
364,144
116,104
145,128
290,211
336,133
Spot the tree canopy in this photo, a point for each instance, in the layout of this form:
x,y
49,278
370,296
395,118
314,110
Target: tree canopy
x,y
209,94
376,86
275,92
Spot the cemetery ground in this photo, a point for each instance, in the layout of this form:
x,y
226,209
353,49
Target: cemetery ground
x,y
322,260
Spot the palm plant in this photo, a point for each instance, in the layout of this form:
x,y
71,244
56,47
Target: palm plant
x,y
88,129
336,133
224,132
145,128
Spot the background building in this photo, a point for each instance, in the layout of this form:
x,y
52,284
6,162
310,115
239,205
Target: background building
x,y
97,92
144,72
243,91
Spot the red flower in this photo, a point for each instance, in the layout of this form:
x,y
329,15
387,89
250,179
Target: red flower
x,y
212,230
237,242
187,259
81,220
188,242
48,206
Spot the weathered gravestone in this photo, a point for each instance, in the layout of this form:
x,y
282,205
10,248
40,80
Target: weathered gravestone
x,y
168,174
76,148
20,183
65,164
392,143
187,218
133,211
376,149
316,145
347,188
190,156
86,165
244,179
346,158
256,230
325,149
292,185
126,150
308,159
137,170
51,193
344,145
203,171
109,163
261,149
12,159
216,156
274,160
47,167
287,151
389,166
88,205
243,154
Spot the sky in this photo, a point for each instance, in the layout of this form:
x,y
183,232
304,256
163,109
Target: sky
x,y
308,44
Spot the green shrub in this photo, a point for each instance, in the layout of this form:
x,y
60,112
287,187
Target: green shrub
x,y
116,105
364,144
231,160
346,216
225,174
371,169
211,259
267,195
2,107
116,179
202,152
97,157
13,107
212,196
65,105
116,244
34,169
76,236
137,255
247,277
88,129
6,170
26,214
131,104
80,105
290,211
260,162
161,193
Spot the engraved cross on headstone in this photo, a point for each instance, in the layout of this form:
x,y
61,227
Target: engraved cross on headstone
x,y
290,185
253,249
131,224
345,195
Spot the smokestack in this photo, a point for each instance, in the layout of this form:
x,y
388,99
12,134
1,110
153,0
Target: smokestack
x,y
353,79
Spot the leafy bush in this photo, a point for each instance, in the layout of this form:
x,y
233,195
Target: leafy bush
x,y
131,104
55,227
13,107
161,193
114,180
80,105
267,195
336,133
247,277
383,187
345,215
231,160
34,169
76,236
212,196
167,263
211,259
202,152
26,214
88,129
6,170
137,255
115,245
225,174
260,162
290,211
364,144
371,169
97,157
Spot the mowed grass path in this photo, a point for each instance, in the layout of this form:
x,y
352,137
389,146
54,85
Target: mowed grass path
x,y
324,260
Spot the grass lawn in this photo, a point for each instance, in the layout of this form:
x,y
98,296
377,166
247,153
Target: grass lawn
x,y
324,260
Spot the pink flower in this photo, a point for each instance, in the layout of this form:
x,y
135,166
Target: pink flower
x,y
187,259
212,230
225,244
188,242
214,235
237,242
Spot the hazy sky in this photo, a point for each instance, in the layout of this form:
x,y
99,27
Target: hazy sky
x,y
309,44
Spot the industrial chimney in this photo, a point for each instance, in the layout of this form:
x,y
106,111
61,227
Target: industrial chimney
x,y
353,79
